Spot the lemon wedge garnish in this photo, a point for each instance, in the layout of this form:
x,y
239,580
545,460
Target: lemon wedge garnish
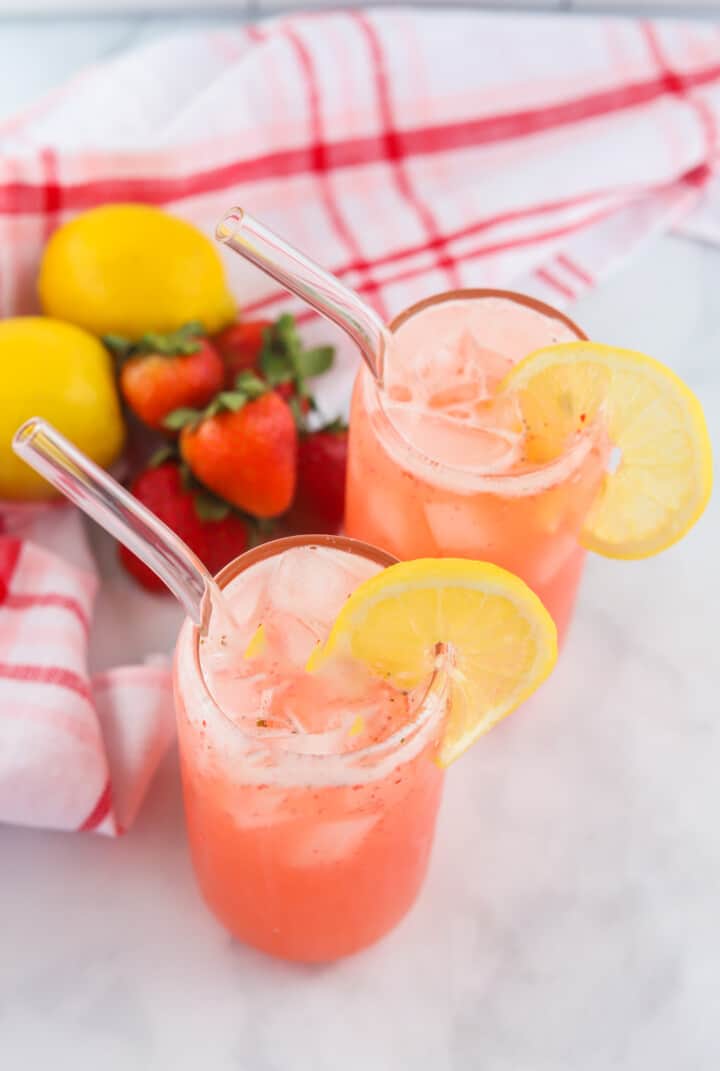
x,y
501,640
661,476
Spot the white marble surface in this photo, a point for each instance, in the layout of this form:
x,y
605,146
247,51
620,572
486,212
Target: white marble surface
x,y
569,921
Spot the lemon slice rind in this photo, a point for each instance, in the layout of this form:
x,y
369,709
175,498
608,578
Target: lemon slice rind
x,y
662,483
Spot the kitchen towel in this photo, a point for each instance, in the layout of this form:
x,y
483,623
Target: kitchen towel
x,y
409,152
77,751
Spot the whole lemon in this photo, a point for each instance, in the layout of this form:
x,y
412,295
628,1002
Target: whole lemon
x,y
60,372
129,269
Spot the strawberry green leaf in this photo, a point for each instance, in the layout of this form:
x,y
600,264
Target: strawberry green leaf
x,y
275,367
161,455
284,360
233,400
314,362
181,342
286,335
192,329
118,346
209,507
335,427
251,385
180,417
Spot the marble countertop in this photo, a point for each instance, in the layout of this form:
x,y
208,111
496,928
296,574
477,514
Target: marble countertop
x,y
569,920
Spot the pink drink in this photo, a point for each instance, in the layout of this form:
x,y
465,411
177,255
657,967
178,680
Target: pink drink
x,y
310,799
438,466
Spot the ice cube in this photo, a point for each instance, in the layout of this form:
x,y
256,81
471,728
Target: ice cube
x,y
311,582
247,594
238,695
476,363
459,443
399,393
330,842
327,743
290,639
456,394
469,366
305,594
395,517
463,527
259,807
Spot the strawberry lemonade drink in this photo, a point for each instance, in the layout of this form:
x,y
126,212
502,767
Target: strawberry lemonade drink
x,y
439,463
313,740
314,730
310,799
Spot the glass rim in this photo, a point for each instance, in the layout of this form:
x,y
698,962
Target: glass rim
x,y
470,293
436,686
476,481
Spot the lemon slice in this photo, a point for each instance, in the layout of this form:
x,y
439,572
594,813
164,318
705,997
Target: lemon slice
x,y
501,640
663,476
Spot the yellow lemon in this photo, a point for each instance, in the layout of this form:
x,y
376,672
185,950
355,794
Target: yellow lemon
x,y
129,269
54,370
500,639
662,480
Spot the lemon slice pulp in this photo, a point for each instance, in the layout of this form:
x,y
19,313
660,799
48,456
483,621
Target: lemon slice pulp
x,y
501,640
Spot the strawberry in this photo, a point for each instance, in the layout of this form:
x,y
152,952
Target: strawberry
x,y
162,373
240,346
319,504
243,447
227,536
209,528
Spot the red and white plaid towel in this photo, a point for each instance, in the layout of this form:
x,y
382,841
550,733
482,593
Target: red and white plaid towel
x,y
409,152
76,752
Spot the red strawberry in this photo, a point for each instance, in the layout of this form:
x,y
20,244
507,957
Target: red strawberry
x,y
227,537
216,542
167,372
319,504
240,346
244,448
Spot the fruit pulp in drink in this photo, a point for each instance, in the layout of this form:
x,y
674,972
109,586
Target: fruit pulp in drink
x,y
310,797
439,462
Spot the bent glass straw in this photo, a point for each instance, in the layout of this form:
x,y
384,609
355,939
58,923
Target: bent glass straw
x,y
303,277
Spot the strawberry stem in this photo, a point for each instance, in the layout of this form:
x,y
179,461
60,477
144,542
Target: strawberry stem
x,y
283,358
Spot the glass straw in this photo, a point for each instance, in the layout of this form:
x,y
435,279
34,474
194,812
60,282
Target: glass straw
x,y
117,511
303,277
